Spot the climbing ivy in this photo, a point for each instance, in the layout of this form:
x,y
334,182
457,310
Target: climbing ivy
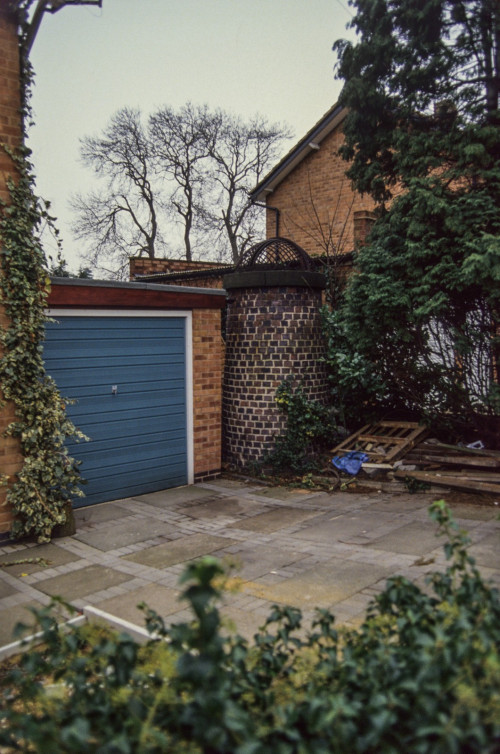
x,y
41,493
40,496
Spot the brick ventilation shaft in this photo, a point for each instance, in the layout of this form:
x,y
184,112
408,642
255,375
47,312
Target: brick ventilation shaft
x,y
273,331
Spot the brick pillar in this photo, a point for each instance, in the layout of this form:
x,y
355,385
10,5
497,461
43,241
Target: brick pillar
x,y
207,393
272,332
10,135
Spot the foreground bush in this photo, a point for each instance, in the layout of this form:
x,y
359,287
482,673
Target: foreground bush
x,y
421,675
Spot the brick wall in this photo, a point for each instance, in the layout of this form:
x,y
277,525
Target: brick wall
x,y
207,392
10,134
271,334
317,205
147,266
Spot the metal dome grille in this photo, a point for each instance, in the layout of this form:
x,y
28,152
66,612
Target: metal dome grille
x,y
275,254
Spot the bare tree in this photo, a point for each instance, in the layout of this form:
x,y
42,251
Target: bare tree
x,y
192,167
121,219
180,143
241,153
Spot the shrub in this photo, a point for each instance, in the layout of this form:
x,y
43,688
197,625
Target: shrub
x,y
310,426
422,675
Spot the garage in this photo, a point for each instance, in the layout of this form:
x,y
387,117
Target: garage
x,y
127,376
127,369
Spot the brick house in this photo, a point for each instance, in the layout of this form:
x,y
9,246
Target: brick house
x,y
310,200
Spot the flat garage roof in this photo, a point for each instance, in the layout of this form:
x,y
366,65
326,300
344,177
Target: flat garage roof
x,y
112,294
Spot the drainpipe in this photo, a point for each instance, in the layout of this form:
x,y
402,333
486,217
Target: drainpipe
x,y
274,209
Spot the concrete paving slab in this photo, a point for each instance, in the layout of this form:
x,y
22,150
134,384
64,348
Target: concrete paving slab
x,y
223,506
162,599
166,498
343,527
285,493
490,575
398,504
10,617
487,551
273,520
180,550
473,512
242,622
46,555
124,532
6,589
321,586
227,483
98,514
413,539
255,561
81,583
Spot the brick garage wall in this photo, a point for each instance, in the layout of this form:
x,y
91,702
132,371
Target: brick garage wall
x,y
271,334
316,200
10,134
207,393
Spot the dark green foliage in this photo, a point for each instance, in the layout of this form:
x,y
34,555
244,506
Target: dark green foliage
x,y
423,131
422,675
59,268
357,392
310,426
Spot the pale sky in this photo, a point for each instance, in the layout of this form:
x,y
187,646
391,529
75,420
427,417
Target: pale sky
x,y
272,57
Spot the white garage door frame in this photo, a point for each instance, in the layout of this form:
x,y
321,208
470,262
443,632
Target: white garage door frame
x,y
188,334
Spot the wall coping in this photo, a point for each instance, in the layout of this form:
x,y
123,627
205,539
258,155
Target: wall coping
x,y
275,279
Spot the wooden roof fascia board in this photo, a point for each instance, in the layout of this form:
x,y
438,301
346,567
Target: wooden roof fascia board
x,y
294,157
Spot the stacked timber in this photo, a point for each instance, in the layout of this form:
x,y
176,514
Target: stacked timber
x,y
454,466
400,450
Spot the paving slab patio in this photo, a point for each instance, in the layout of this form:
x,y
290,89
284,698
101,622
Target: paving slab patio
x,y
15,615
46,555
343,527
162,599
299,547
253,561
115,535
214,508
180,550
412,539
167,498
486,552
98,514
272,520
81,583
321,586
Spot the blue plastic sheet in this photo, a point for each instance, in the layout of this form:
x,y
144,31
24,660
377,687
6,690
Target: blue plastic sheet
x,y
351,462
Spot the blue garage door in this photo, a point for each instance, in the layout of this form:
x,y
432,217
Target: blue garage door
x,y
128,378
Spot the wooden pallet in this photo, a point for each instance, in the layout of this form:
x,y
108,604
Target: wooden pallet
x,y
383,442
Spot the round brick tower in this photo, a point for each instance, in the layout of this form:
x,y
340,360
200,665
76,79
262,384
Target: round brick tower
x,y
273,331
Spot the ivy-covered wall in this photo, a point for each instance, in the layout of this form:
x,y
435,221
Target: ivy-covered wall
x,y
10,135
